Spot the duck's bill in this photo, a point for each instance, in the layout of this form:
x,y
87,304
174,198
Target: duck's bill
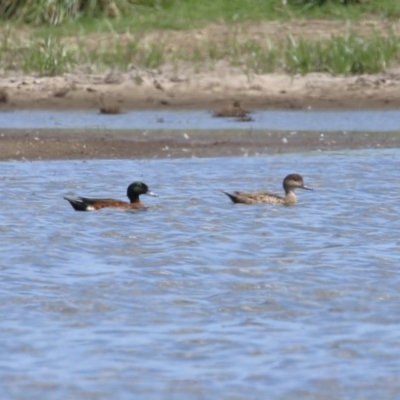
x,y
306,188
152,194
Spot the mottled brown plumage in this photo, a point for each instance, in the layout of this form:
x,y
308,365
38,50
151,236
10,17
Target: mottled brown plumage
x,y
235,110
290,183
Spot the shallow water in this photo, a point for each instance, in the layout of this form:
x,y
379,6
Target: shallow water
x,y
358,121
197,298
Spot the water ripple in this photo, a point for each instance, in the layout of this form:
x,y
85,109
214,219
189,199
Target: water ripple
x,y
196,297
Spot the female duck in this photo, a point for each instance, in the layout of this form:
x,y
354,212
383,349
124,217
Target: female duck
x,y
134,191
290,183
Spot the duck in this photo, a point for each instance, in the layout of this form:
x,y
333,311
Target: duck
x,y
290,183
234,110
133,192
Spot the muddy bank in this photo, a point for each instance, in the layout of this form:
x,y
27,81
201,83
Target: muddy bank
x,y
81,145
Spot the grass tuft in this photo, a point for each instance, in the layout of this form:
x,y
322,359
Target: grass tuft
x,y
261,58
348,54
340,54
47,58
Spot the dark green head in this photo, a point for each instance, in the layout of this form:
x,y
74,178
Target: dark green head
x,y
135,189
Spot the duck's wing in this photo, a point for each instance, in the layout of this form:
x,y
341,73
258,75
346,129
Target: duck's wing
x,y
90,204
254,197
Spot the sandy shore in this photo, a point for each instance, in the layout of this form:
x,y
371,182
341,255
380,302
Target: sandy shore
x,y
209,90
69,145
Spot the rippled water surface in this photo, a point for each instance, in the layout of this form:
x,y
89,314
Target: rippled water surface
x,y
360,121
197,298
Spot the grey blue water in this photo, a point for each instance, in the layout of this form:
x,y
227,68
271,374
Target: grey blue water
x,y
197,298
360,121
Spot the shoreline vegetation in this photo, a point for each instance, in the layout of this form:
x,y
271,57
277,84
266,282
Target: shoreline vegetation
x,y
116,55
49,38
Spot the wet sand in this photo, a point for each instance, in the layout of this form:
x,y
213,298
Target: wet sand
x,y
87,144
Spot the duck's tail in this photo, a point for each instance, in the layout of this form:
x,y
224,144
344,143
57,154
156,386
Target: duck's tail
x,y
77,203
233,197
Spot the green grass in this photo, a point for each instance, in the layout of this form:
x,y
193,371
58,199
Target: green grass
x,y
187,14
47,58
261,58
71,16
65,34
352,10
348,54
343,54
